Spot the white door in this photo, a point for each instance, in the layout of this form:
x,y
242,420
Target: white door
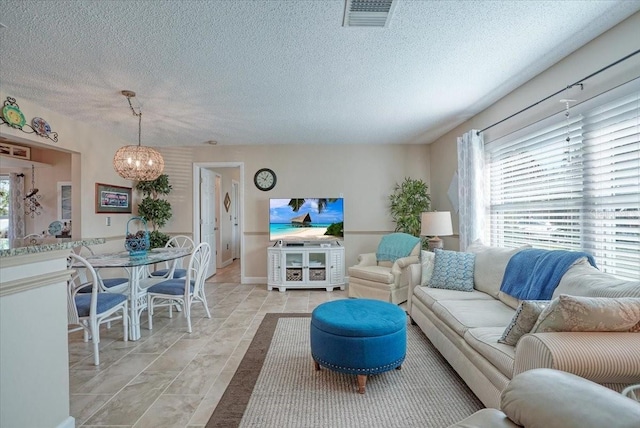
x,y
235,213
207,215
217,214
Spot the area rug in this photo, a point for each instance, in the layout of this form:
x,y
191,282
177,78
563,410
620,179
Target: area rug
x,y
276,385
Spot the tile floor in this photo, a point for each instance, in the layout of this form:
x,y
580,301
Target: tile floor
x,y
170,378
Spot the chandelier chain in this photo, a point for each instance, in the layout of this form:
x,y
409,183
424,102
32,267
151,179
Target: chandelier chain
x,y
139,116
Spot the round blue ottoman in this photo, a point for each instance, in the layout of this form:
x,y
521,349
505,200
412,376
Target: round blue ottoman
x,y
358,336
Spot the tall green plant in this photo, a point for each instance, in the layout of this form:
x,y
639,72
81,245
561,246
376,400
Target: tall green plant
x,y
155,210
408,200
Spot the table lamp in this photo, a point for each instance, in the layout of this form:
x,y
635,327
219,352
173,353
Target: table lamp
x,y
434,224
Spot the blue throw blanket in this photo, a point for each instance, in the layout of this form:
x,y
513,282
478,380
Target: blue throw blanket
x,y
396,245
534,274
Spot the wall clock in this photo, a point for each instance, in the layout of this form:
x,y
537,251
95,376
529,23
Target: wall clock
x,y
265,179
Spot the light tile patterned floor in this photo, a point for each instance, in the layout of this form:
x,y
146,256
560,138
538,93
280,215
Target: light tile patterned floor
x,y
170,378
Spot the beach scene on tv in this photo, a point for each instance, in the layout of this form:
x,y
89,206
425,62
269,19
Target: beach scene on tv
x,y
306,219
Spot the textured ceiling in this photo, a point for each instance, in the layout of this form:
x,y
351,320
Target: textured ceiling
x,y
265,72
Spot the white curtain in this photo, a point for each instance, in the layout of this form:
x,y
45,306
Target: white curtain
x,y
16,206
471,188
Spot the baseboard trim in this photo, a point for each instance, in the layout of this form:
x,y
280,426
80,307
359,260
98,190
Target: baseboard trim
x,y
255,280
69,422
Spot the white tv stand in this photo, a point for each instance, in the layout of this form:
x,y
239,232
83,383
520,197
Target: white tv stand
x,y
306,265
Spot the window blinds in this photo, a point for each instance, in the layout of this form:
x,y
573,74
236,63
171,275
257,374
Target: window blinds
x,y
580,193
611,202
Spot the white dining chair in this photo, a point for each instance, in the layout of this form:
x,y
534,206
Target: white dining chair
x,y
107,285
183,291
174,269
89,310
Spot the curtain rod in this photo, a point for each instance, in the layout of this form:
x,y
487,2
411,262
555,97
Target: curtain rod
x,y
578,83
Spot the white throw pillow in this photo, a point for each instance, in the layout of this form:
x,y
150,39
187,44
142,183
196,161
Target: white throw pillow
x,y
427,260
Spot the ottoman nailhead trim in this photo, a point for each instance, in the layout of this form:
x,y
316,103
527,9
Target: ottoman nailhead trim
x,y
371,370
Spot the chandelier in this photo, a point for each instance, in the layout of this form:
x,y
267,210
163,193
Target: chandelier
x,y
31,205
137,163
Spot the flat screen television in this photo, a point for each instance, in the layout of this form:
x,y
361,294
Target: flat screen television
x,y
306,219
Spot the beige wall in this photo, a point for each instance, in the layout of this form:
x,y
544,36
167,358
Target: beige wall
x,y
602,51
363,175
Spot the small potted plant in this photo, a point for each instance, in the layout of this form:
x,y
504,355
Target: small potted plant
x,y
155,210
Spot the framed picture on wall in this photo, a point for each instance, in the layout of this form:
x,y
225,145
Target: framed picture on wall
x,y
113,199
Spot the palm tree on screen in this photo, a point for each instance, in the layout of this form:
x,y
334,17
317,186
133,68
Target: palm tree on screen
x,y
295,204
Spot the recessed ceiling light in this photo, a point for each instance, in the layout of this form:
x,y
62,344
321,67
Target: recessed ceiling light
x,y
212,142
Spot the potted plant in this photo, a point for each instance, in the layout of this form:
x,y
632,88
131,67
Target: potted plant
x,y
408,200
153,209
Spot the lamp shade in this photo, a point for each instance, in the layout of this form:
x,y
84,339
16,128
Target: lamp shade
x,y
436,223
138,163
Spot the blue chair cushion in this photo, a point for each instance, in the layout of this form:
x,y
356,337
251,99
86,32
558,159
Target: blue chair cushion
x,y
112,282
106,301
174,287
178,273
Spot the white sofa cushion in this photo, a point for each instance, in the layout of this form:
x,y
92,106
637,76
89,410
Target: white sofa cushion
x,y
461,315
372,273
490,264
485,341
514,302
582,279
429,296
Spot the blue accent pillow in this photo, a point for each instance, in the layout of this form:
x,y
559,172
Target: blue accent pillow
x,y
453,270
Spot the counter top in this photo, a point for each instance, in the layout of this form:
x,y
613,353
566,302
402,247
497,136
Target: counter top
x,y
19,248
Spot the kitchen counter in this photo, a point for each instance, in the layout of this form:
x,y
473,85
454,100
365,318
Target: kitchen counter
x,y
19,247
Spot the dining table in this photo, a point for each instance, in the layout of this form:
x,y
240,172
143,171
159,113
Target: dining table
x,y
139,279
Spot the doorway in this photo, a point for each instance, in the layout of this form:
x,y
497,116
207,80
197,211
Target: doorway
x,y
224,179
208,230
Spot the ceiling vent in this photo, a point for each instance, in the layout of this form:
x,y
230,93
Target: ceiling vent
x,y
368,13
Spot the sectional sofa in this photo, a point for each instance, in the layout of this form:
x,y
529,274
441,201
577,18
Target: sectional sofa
x,y
465,327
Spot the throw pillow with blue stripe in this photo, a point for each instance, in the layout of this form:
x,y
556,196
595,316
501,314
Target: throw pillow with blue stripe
x,y
453,270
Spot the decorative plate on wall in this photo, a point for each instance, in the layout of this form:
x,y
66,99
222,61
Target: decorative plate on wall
x,y
13,116
40,126
55,228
